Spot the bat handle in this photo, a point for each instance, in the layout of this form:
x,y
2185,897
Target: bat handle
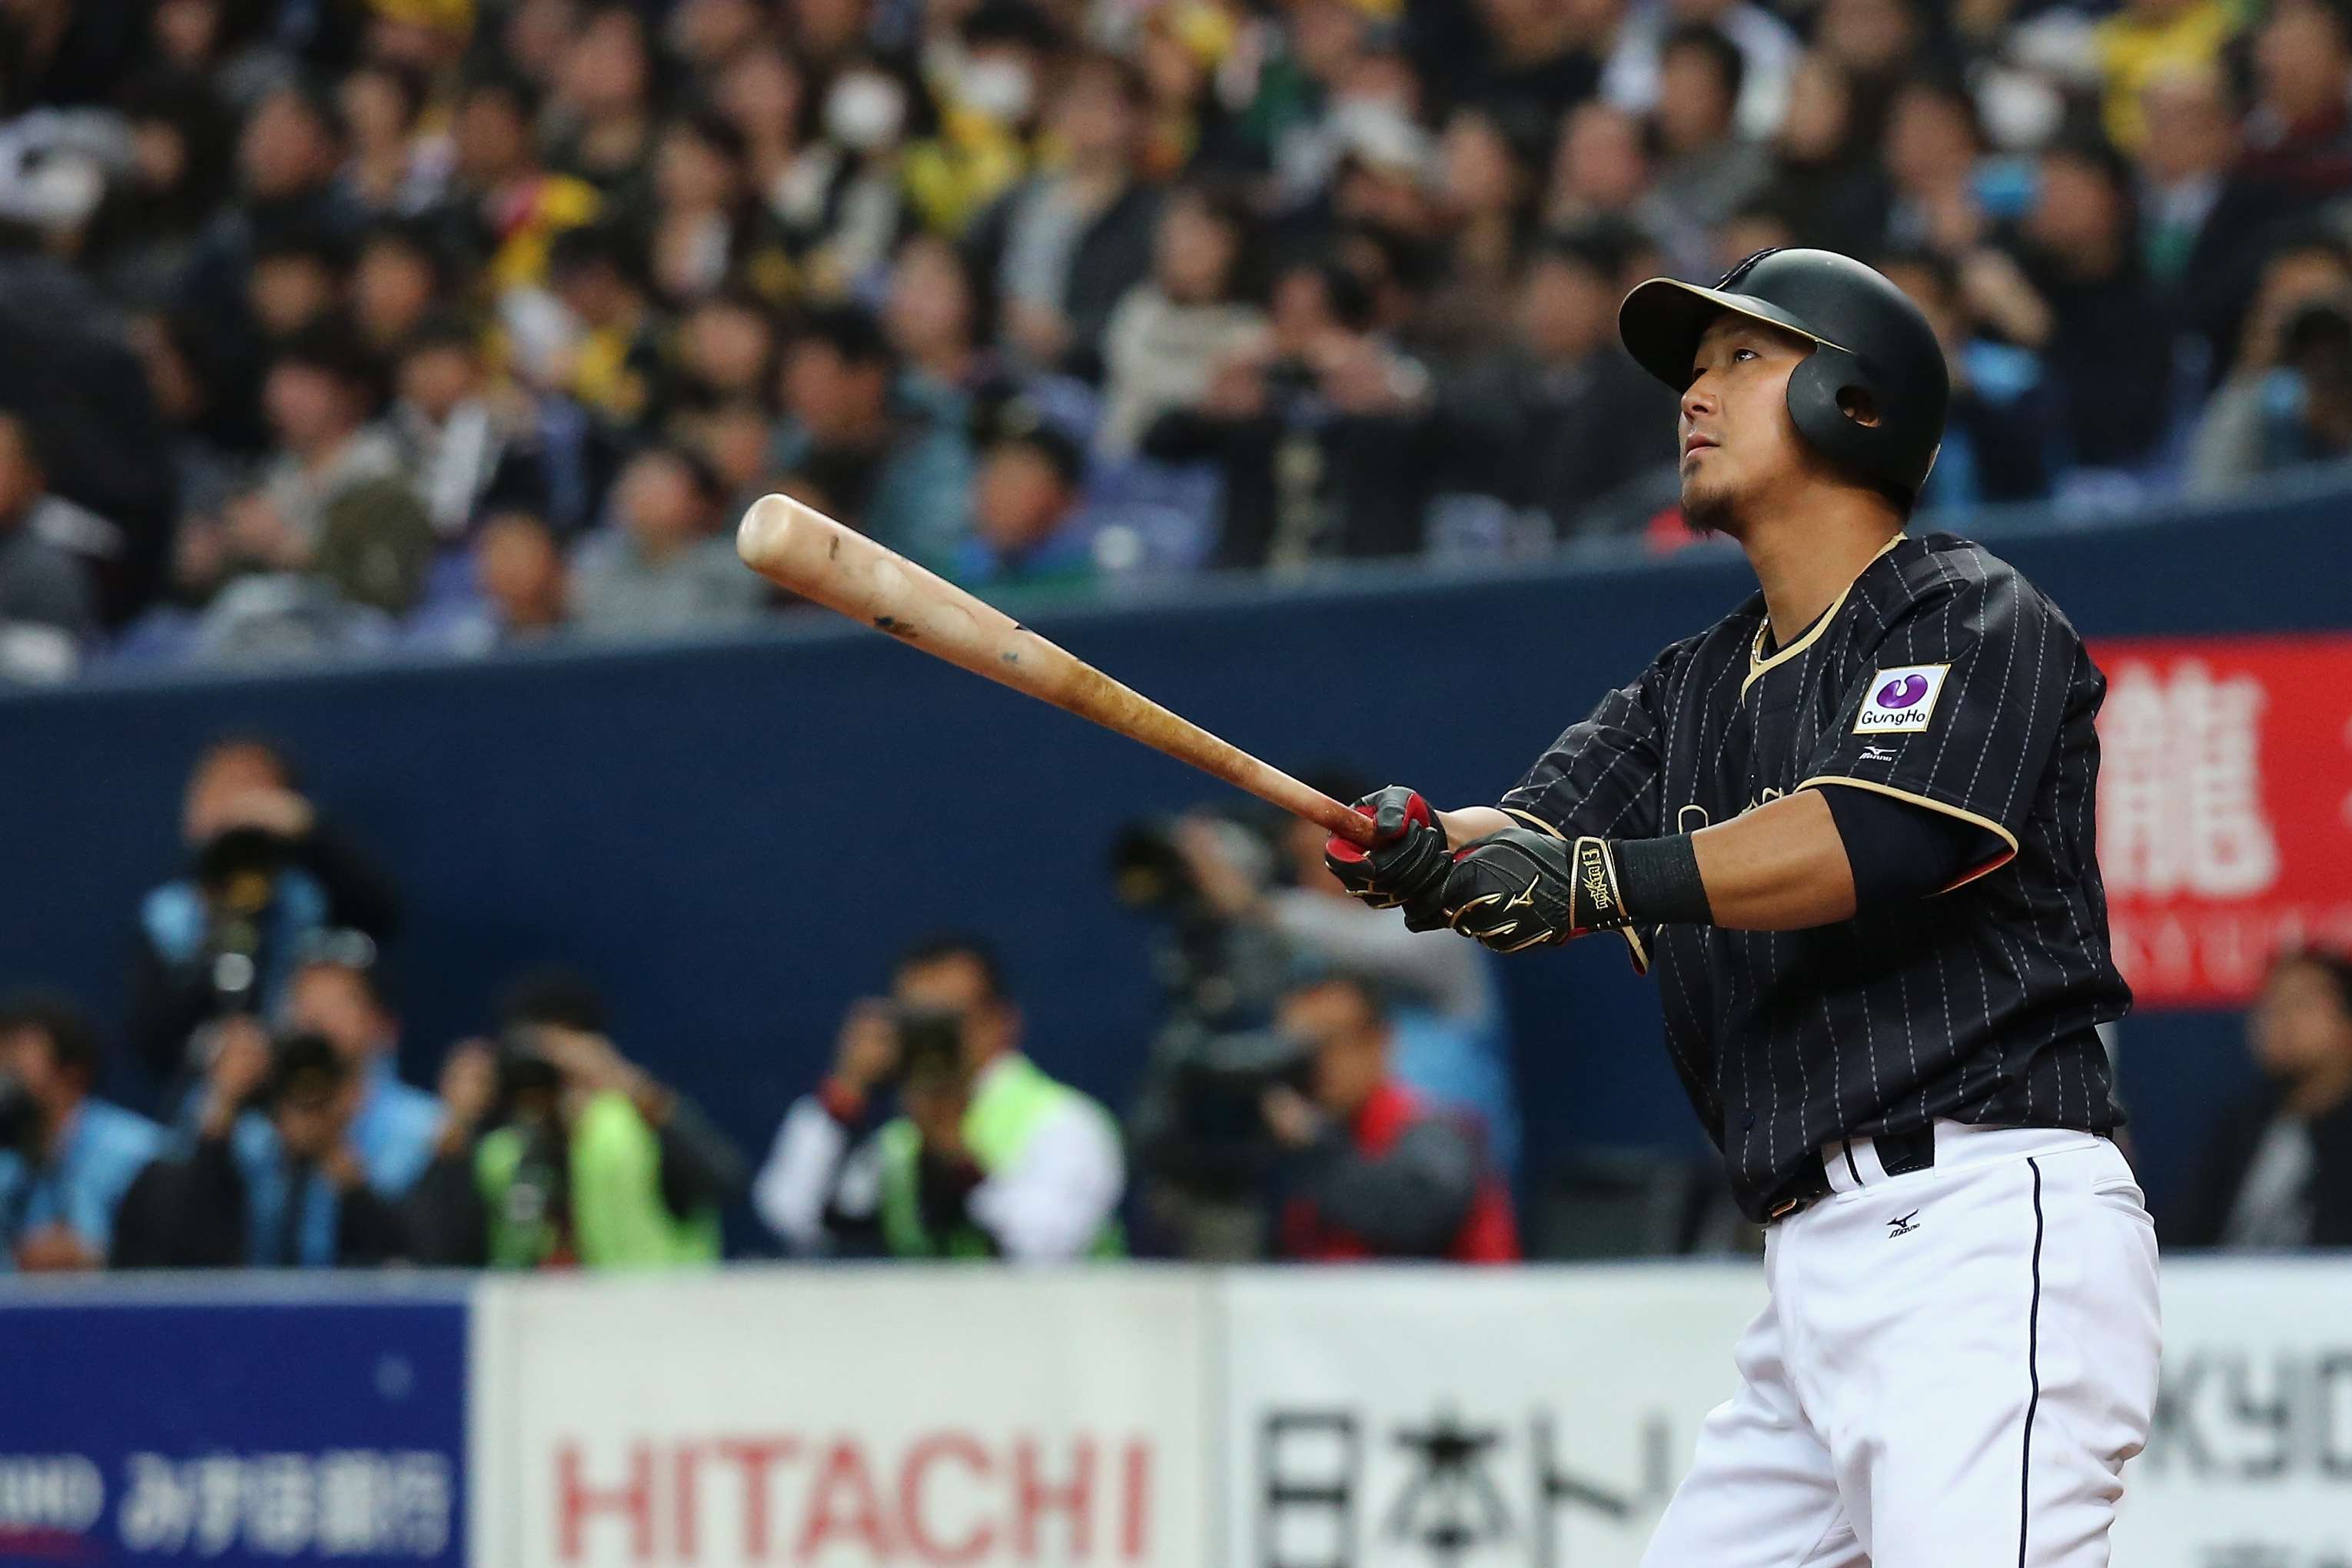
x,y
1344,821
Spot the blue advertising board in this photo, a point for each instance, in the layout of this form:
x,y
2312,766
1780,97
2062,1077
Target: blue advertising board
x,y
247,1424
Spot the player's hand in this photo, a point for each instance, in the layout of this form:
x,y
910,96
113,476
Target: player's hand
x,y
1520,888
867,1052
1406,865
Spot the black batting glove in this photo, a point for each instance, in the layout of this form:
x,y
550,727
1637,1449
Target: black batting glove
x,y
1522,888
1407,865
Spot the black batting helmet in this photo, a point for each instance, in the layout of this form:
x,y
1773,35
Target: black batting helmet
x,y
1867,335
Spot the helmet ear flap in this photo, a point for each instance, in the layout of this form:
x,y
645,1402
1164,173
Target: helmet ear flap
x,y
1814,388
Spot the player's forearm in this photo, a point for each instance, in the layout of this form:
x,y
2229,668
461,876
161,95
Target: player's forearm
x,y
1782,867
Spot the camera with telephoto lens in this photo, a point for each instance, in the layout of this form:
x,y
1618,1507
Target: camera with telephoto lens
x,y
931,1047
239,872
1199,1123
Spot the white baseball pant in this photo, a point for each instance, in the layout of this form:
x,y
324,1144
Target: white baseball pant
x,y
1951,1369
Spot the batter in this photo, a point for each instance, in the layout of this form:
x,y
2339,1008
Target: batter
x,y
1852,828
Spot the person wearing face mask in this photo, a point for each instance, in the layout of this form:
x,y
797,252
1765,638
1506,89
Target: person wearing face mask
x,y
841,201
987,80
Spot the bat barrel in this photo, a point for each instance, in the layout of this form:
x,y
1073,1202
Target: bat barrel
x,y
802,550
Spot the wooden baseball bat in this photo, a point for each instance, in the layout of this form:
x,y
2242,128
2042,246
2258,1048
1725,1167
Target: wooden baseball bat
x,y
800,548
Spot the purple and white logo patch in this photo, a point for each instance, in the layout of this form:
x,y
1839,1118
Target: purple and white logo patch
x,y
1901,701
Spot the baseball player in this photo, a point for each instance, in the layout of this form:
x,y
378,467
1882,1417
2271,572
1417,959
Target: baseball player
x,y
1851,828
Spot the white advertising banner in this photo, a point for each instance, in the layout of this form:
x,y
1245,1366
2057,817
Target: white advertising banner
x,y
910,1417
1468,1418
2249,1464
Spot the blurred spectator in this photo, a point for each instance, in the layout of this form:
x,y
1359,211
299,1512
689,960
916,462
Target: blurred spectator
x,y
1874,44
1996,437
2277,1171
2307,400
1637,78
1320,431
1027,532
449,438
503,204
399,281
2148,40
1565,422
44,597
321,399
2101,331
587,1159
1540,61
600,110
268,873
2206,225
2232,443
1708,172
393,169
1601,171
844,202
298,278
2300,133
725,351
932,313
900,469
1169,330
1487,195
289,156
1933,142
708,228
1376,1175
522,591
598,272
659,570
147,226
1066,245
989,1157
1827,183
67,1158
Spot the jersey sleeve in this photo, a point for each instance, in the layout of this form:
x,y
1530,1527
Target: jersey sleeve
x,y
1959,708
1602,776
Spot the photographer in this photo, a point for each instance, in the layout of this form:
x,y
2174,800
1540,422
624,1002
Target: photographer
x,y
297,1199
268,873
590,1160
65,1160
1322,432
1452,1038
338,991
1195,1127
1376,1172
989,1157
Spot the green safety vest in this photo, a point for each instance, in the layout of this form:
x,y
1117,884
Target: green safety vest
x,y
1014,1101
618,1218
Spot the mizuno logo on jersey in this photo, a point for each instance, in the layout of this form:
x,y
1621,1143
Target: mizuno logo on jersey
x,y
1901,701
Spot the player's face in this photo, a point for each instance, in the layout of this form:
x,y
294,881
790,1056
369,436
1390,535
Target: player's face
x,y
1737,440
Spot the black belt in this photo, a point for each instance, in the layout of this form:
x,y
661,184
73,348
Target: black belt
x,y
1900,1153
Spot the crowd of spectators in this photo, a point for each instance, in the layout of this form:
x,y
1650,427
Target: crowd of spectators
x,y
335,326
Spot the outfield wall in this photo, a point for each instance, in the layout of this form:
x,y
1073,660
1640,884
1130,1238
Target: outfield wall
x,y
955,1417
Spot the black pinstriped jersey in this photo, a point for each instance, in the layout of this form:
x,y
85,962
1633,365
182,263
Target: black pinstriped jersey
x,y
1941,678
